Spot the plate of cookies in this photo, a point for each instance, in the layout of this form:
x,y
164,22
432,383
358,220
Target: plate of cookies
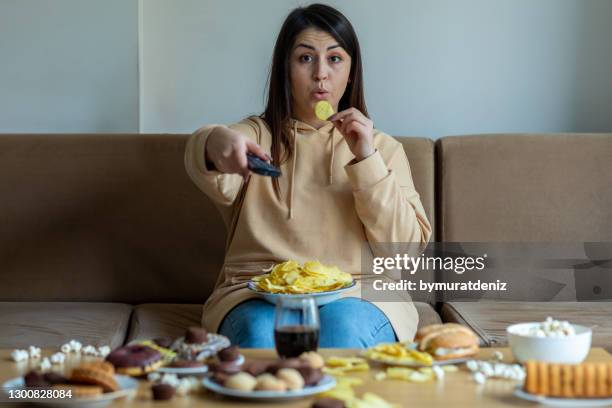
x,y
269,380
91,384
567,385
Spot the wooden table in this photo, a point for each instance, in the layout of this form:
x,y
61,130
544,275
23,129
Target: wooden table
x,y
456,389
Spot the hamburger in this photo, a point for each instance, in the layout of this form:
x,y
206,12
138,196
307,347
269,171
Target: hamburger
x,y
447,341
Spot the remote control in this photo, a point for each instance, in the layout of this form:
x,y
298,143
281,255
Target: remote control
x,y
258,166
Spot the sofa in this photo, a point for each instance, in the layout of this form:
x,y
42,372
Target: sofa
x,y
105,239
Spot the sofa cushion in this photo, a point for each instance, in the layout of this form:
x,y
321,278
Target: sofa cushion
x,y
170,320
51,324
490,319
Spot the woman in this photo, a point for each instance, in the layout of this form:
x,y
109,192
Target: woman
x,y
343,184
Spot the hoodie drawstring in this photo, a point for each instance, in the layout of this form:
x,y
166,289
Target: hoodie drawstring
x,y
331,158
293,170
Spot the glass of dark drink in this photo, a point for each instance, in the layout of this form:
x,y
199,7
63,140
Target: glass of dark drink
x,y
296,326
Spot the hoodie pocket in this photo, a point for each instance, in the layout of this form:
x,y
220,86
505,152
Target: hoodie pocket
x,y
241,272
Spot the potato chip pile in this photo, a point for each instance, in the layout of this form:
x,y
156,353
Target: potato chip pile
x,y
394,353
344,391
289,277
339,366
421,375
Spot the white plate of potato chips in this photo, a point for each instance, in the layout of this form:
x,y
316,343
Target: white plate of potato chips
x,y
288,279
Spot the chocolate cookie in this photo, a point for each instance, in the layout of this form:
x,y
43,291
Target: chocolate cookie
x,y
35,379
226,367
55,378
162,392
196,335
328,403
286,363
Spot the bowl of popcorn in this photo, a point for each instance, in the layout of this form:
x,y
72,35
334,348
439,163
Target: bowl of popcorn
x,y
553,341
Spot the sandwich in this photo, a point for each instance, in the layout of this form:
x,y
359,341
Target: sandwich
x,y
447,341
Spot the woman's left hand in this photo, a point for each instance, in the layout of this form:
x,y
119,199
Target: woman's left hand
x,y
358,131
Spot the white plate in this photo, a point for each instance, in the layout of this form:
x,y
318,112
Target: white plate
x,y
562,402
127,385
322,298
326,383
416,364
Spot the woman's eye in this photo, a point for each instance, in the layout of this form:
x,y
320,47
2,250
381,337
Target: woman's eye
x,y
305,58
335,58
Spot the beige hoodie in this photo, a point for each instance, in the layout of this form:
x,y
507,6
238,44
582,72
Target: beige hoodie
x,y
328,210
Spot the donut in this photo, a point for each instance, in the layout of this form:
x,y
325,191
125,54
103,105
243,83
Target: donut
x,y
230,353
291,377
162,392
135,359
99,373
195,335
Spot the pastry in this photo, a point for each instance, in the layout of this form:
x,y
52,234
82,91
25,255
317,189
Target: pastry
x,y
79,390
268,382
99,373
162,392
198,344
196,335
231,353
257,367
291,377
185,364
164,342
226,367
314,359
241,381
135,359
447,341
287,363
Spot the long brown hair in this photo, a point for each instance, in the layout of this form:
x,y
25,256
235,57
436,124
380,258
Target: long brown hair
x,y
279,107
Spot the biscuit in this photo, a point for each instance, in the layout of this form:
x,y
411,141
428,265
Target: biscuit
x,y
531,378
555,380
601,384
567,381
543,384
579,380
589,380
95,373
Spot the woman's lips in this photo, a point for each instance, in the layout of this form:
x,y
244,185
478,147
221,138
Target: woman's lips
x,y
320,95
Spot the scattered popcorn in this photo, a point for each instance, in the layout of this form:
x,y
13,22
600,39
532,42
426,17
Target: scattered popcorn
x,y
479,377
75,346
103,351
89,350
34,352
498,355
58,358
153,377
497,370
19,355
187,385
45,364
170,379
438,372
66,348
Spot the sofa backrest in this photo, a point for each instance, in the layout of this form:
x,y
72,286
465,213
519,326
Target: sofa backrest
x,y
553,191
114,217
525,187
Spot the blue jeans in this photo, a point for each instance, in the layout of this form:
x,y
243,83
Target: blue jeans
x,y
345,323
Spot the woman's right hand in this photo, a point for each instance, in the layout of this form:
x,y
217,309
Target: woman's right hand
x,y
227,148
